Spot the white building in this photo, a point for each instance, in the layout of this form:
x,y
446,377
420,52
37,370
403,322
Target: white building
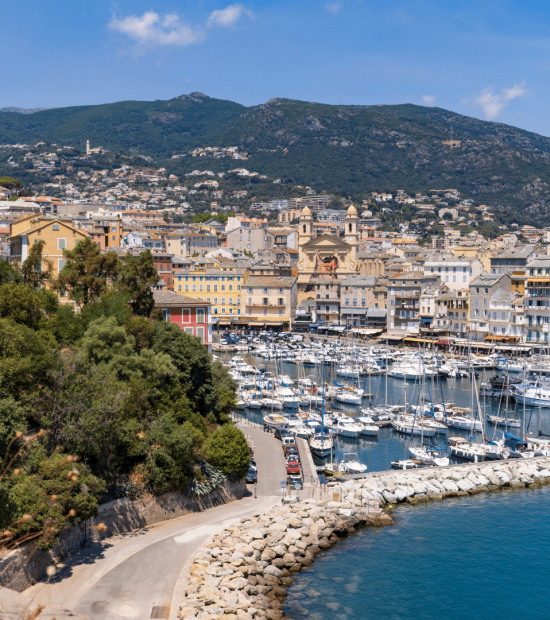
x,y
456,273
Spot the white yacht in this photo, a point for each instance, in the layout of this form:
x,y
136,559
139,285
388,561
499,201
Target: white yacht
x,y
321,445
347,429
351,465
426,455
460,448
368,427
408,425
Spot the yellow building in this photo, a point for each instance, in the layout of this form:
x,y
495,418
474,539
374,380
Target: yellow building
x,y
208,280
324,259
57,233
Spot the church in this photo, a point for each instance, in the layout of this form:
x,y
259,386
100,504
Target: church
x,y
323,260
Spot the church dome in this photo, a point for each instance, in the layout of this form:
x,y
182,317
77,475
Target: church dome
x,y
306,211
352,211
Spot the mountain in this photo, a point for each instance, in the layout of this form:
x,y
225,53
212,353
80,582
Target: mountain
x,y
346,149
22,110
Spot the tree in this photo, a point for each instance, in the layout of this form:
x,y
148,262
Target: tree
x,y
12,421
36,502
200,218
25,358
228,451
447,216
169,455
193,366
87,272
35,269
137,275
27,306
8,273
10,182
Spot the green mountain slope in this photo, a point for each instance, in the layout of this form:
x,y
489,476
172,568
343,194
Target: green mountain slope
x,y
348,149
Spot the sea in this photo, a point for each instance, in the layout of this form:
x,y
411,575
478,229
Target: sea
x,y
378,453
483,557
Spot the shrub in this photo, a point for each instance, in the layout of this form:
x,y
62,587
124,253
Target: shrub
x,y
228,451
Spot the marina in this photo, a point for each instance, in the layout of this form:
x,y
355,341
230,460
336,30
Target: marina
x,y
391,407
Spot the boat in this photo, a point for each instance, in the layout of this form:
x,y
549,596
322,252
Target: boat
x,y
408,425
321,445
350,464
500,421
368,427
275,420
462,449
431,455
347,429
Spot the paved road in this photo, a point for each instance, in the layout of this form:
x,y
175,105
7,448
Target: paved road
x,y
270,460
126,576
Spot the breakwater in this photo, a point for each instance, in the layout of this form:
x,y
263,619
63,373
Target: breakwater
x,y
244,571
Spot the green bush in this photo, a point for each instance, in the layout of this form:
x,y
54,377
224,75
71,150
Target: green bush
x,y
228,451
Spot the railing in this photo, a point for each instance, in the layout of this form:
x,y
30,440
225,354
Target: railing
x,y
266,306
407,294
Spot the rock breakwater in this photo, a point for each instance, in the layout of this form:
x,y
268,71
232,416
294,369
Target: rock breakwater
x,y
243,572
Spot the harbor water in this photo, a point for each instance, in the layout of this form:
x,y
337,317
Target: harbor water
x,y
378,452
479,557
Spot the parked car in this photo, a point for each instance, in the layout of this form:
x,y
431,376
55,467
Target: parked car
x,y
281,433
293,467
251,477
293,479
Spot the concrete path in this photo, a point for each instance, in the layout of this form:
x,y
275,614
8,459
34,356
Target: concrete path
x,y
129,575
134,575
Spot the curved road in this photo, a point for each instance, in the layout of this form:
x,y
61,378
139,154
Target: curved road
x,y
134,575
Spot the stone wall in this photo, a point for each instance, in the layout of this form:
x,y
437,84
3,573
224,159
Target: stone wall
x,y
28,565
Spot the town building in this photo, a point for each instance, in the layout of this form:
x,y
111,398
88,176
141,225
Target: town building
x,y
270,299
482,290
191,315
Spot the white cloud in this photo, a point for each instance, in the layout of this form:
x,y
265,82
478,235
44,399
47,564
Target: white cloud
x,y
229,16
493,103
333,7
153,30
428,99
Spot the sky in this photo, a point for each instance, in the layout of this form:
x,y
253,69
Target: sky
x,y
488,59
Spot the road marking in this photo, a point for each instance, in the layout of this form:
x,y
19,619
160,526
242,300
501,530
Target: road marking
x,y
205,530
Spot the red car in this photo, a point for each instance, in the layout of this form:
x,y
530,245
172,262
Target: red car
x,y
293,467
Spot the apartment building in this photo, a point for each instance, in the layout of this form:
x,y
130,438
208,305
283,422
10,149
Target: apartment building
x,y
314,203
537,300
209,281
270,299
250,239
482,290
456,273
514,260
404,292
57,233
193,316
356,297
285,217
452,313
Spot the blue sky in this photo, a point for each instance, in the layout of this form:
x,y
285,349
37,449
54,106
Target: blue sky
x,y
489,59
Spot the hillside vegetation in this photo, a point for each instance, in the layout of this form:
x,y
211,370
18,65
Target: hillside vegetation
x,y
346,149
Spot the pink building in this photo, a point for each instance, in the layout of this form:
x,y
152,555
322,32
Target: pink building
x,y
191,315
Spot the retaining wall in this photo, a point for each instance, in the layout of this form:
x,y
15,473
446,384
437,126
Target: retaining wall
x,y
28,565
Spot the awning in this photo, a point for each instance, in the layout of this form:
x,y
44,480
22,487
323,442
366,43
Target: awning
x,y
391,337
426,340
338,328
277,324
427,319
356,311
224,323
445,342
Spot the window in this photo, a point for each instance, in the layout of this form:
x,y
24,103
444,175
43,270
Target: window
x,y
230,300
185,315
201,287
215,288
188,330
194,287
187,288
60,264
200,315
55,227
61,244
223,300
208,288
166,314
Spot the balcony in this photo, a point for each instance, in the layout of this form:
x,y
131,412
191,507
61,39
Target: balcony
x,y
407,294
262,306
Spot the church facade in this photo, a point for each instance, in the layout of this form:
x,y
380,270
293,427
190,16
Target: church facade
x,y
323,260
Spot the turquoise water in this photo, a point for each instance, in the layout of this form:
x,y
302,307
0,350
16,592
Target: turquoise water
x,y
484,557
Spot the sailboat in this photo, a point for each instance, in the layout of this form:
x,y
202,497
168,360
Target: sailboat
x,y
321,444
